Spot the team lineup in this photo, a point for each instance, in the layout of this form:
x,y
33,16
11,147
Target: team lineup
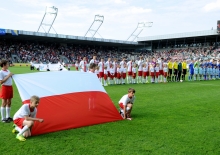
x,y
174,70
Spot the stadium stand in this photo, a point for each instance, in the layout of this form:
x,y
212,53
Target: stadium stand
x,y
50,48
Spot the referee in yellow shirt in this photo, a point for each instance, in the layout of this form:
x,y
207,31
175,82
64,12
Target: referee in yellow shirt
x,y
175,68
184,65
170,69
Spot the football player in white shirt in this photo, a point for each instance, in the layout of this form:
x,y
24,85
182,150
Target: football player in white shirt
x,y
108,63
165,70
126,104
83,65
93,60
6,92
152,73
24,118
112,74
122,63
77,65
124,72
134,73
157,70
101,69
147,67
140,70
115,68
105,76
161,70
145,70
130,65
119,73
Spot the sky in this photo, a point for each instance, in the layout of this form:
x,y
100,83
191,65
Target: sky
x,y
120,16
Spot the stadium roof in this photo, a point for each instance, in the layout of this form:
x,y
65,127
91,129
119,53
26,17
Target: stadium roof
x,y
49,37
179,35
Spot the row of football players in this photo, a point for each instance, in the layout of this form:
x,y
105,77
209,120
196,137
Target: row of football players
x,y
203,71
117,73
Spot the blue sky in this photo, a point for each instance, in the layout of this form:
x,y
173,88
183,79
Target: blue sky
x,y
121,16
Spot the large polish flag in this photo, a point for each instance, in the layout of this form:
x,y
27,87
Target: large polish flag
x,y
67,100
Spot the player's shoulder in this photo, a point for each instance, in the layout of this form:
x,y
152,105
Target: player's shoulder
x,y
125,96
25,106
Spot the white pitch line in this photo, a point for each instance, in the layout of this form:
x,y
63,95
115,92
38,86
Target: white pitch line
x,y
205,84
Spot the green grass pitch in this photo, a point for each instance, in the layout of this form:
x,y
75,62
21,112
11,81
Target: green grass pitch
x,y
168,119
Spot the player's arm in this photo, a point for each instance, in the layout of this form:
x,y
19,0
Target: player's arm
x,y
3,80
124,109
27,118
132,101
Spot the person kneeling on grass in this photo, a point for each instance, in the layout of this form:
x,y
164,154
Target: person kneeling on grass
x,y
126,104
24,119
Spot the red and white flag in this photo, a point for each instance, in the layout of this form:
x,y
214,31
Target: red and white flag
x,y
67,100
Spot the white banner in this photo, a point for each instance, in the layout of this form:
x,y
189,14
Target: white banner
x,y
52,67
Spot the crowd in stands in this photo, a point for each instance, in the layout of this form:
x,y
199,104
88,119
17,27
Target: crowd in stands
x,y
187,53
51,52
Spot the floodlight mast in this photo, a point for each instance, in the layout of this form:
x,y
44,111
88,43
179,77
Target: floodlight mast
x,y
49,11
98,19
140,27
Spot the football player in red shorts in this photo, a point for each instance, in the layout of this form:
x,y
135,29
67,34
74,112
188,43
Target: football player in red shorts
x,y
6,91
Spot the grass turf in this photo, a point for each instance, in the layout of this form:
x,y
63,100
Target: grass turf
x,y
172,118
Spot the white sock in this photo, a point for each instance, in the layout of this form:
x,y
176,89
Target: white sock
x,y
146,79
25,128
3,112
156,80
18,129
140,80
164,79
8,110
